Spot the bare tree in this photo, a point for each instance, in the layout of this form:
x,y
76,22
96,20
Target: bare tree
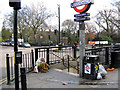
x,y
69,25
90,31
116,18
8,21
68,29
103,21
34,19
30,21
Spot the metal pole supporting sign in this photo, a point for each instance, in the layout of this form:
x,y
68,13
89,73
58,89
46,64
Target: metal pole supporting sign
x,y
81,17
16,4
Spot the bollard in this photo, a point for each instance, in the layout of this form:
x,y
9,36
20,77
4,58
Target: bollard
x,y
23,79
8,69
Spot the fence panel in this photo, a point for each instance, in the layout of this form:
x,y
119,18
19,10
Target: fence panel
x,y
26,62
53,55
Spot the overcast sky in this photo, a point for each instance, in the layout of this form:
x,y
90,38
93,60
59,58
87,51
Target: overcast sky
x,y
66,11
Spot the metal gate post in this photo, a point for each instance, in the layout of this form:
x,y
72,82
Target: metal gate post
x,y
106,55
74,52
36,54
47,56
32,59
68,64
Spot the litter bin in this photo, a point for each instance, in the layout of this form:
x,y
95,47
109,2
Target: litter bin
x,y
90,66
115,59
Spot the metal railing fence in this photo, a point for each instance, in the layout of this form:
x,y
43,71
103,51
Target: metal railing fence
x,y
55,55
27,62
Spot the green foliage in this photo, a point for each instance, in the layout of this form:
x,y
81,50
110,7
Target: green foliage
x,y
103,38
0,37
116,38
106,38
6,35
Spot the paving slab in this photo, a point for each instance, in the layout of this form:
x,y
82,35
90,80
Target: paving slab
x,y
56,78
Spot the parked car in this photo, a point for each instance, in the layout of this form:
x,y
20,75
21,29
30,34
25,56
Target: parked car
x,y
4,43
8,43
27,45
21,44
117,44
12,44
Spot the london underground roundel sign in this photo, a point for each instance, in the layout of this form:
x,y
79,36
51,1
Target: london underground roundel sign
x,y
81,6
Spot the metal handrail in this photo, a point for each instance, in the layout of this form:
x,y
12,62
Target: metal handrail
x,y
71,57
63,60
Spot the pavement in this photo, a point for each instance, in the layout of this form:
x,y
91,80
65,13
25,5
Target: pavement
x,y
57,78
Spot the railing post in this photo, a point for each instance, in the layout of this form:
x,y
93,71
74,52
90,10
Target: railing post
x,y
32,59
106,55
63,61
47,56
74,51
8,69
92,52
23,79
78,67
68,63
36,54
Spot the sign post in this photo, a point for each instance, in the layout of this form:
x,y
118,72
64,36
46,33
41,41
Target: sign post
x,y
82,44
16,4
81,17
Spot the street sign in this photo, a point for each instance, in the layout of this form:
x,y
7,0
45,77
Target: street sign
x,y
83,14
80,3
81,6
81,19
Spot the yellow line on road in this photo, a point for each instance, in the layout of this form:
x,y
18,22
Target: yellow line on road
x,y
5,79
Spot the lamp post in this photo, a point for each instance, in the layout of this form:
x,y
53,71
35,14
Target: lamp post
x,y
59,21
16,4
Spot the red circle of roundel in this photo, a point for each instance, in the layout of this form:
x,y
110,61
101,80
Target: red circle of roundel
x,y
83,10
